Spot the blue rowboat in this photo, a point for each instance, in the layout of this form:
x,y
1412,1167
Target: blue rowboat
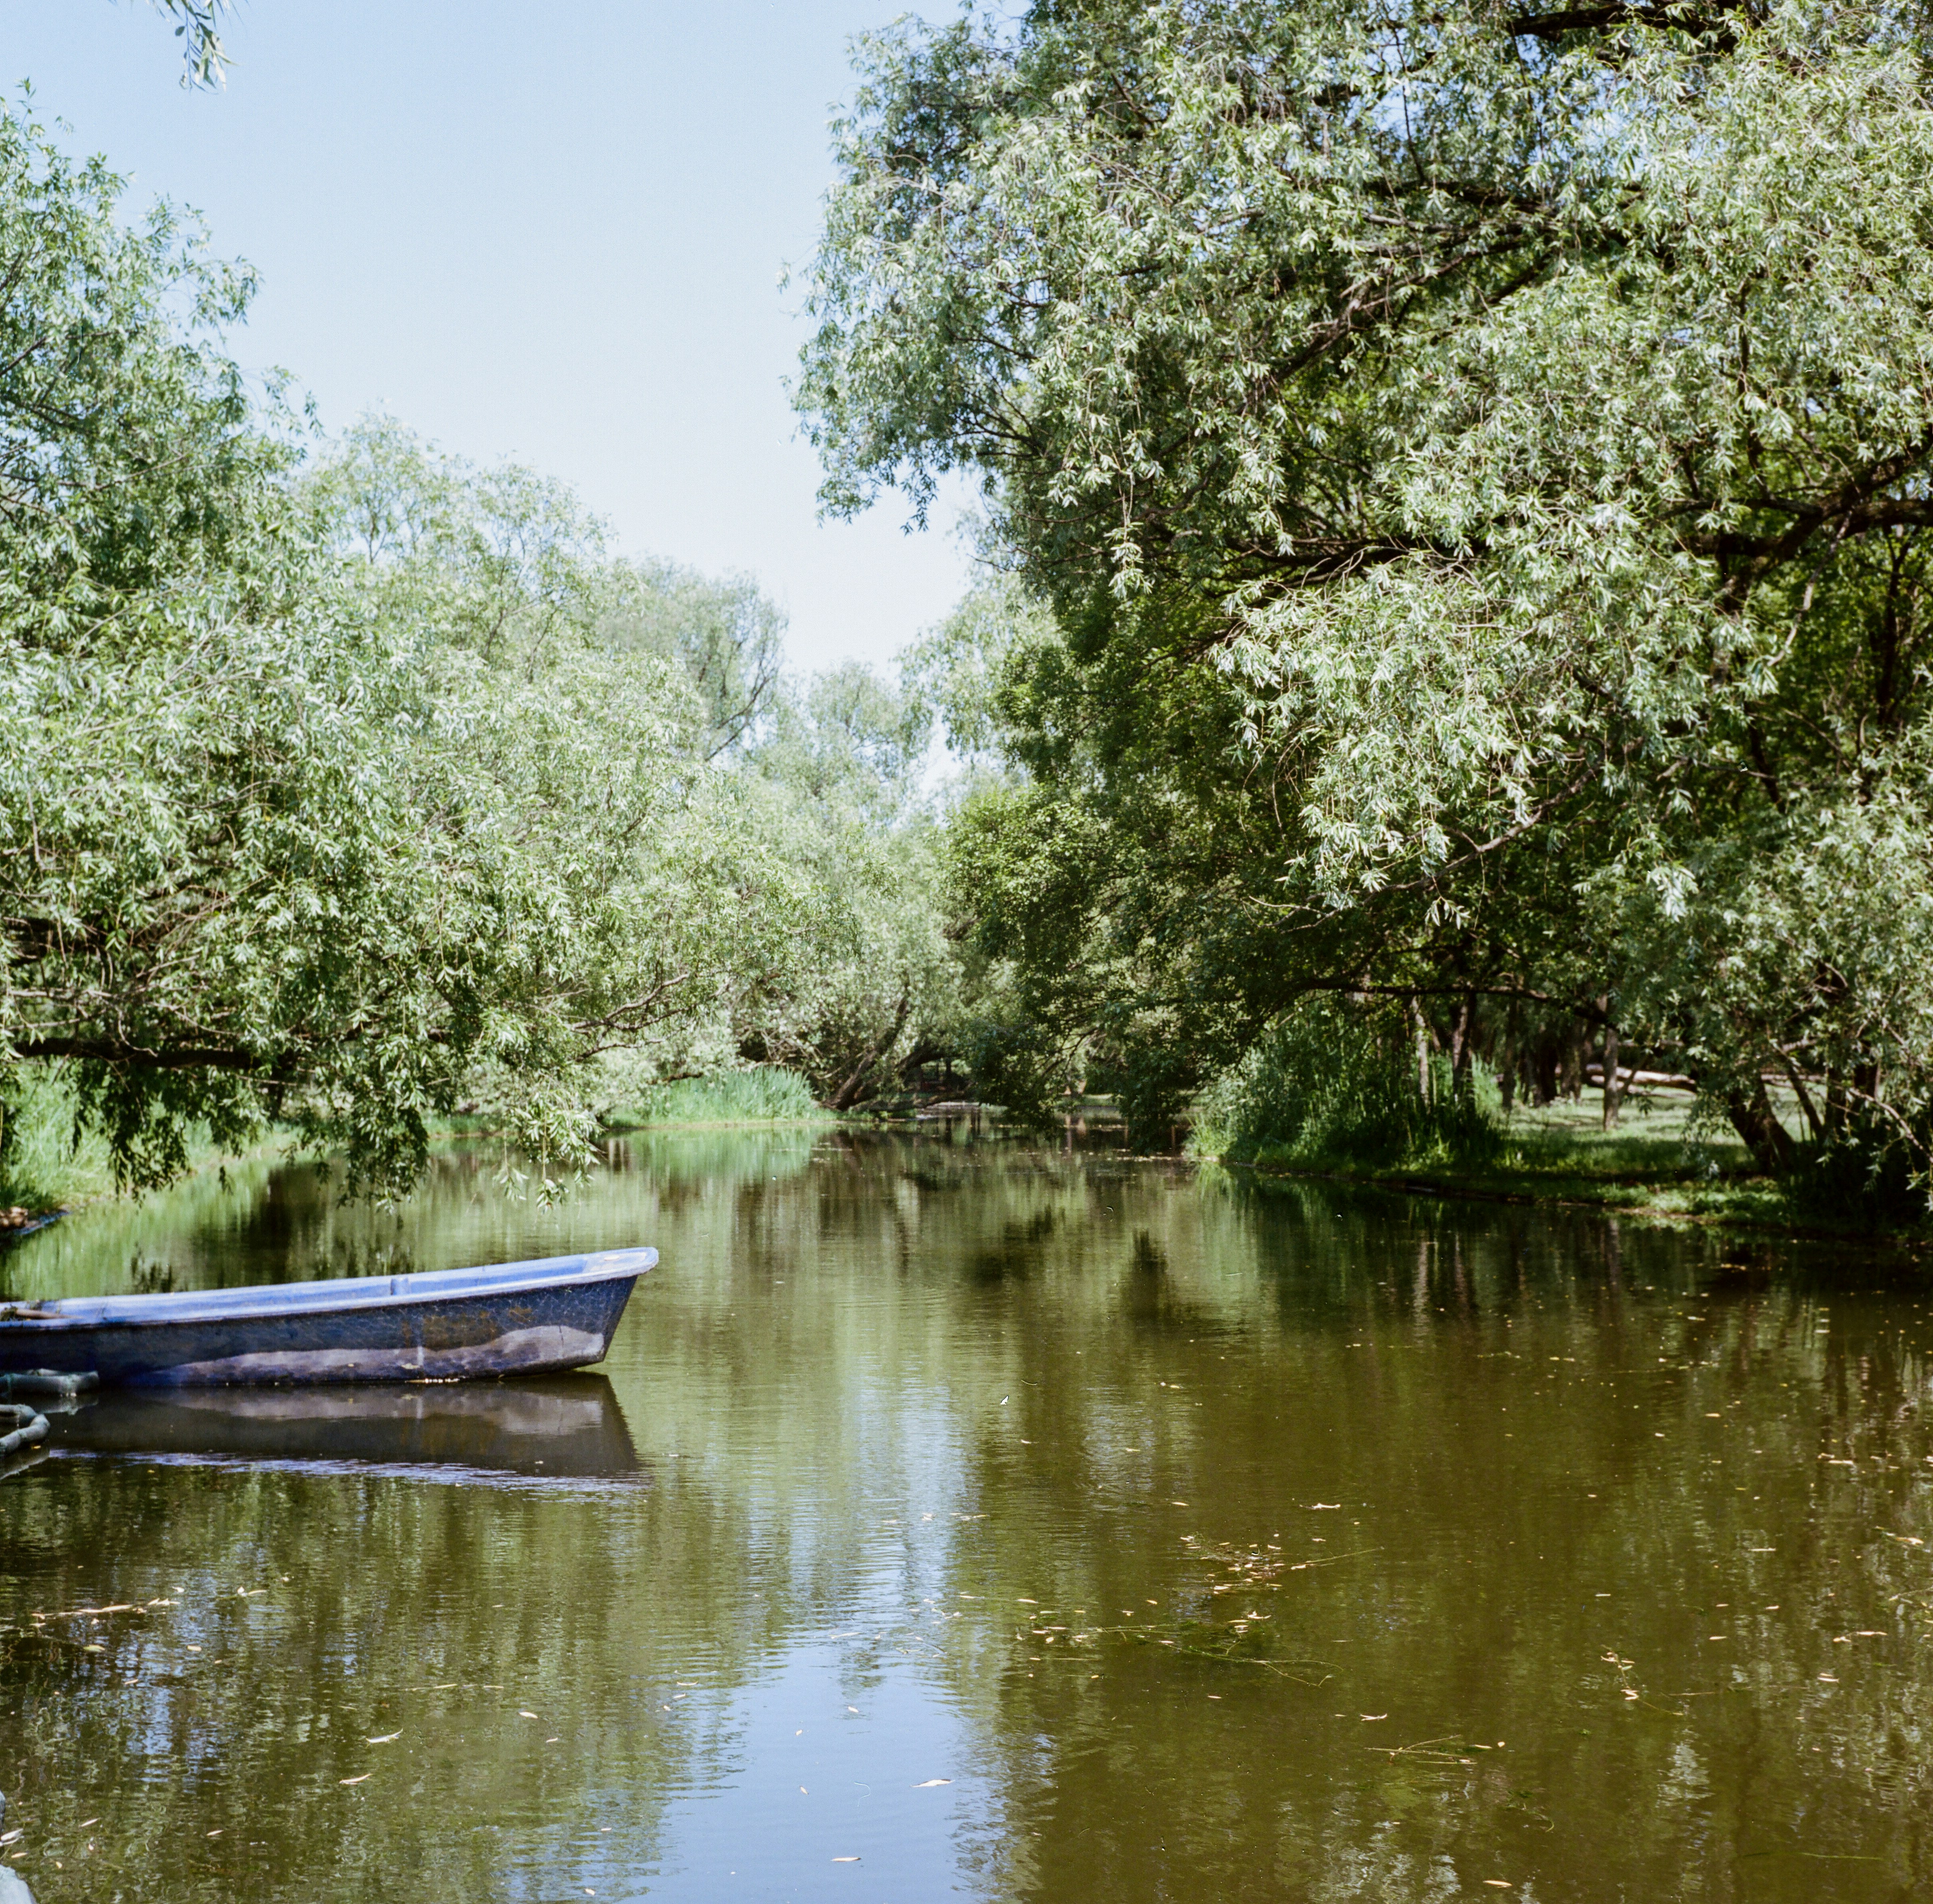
x,y
450,1325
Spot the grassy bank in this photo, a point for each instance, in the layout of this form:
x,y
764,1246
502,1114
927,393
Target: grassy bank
x,y
50,1162
761,1094
1653,1165
46,1161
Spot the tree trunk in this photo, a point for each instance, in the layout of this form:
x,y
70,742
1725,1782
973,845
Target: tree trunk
x,y
1422,1049
1612,1094
1543,1073
1835,1102
1815,1124
1459,1047
1572,1082
847,1094
1769,1141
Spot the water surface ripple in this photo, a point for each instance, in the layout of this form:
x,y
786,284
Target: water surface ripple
x,y
962,1519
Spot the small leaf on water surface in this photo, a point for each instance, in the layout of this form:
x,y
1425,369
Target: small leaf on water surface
x,y
925,1783
356,1780
845,1861
386,1738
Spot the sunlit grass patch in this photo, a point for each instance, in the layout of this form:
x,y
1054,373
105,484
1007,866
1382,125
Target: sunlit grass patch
x,y
760,1094
47,1160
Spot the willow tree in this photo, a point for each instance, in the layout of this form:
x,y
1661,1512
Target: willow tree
x,y
1478,457
321,797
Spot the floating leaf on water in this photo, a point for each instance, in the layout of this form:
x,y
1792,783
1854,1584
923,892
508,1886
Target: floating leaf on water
x,y
386,1738
924,1784
356,1780
845,1861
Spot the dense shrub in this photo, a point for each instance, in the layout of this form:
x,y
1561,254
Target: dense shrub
x,y
1329,1081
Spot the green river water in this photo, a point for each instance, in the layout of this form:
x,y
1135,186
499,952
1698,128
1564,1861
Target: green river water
x,y
956,1519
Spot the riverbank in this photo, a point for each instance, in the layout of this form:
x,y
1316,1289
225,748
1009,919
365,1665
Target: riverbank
x,y
1654,1166
54,1167
763,1093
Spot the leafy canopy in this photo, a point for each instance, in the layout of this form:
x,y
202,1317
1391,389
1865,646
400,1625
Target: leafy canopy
x,y
1477,459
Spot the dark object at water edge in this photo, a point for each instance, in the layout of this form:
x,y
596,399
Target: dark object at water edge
x,y
506,1319
28,1426
16,1223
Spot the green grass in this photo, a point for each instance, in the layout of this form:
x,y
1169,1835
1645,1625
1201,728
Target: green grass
x,y
763,1093
45,1166
49,1165
1654,1164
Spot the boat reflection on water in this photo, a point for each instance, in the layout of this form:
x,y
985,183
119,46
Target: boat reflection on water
x,y
558,1430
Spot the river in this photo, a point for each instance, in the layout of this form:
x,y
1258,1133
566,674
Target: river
x,y
954,1518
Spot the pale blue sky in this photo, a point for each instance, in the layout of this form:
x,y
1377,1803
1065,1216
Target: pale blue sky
x,y
552,233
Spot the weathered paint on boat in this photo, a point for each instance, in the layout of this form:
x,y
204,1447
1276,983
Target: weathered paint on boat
x,y
505,1318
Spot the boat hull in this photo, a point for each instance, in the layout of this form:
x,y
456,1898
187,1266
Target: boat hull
x,y
510,1319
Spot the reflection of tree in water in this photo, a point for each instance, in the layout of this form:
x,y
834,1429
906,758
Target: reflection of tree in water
x,y
1375,1354
1216,1467
374,1592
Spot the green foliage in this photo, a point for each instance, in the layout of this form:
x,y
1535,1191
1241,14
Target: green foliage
x,y
1018,1067
1329,1081
959,672
50,1157
206,59
871,986
1861,1175
1478,471
760,1094
339,789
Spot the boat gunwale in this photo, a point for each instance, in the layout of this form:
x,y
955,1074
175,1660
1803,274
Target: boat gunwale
x,y
246,1303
